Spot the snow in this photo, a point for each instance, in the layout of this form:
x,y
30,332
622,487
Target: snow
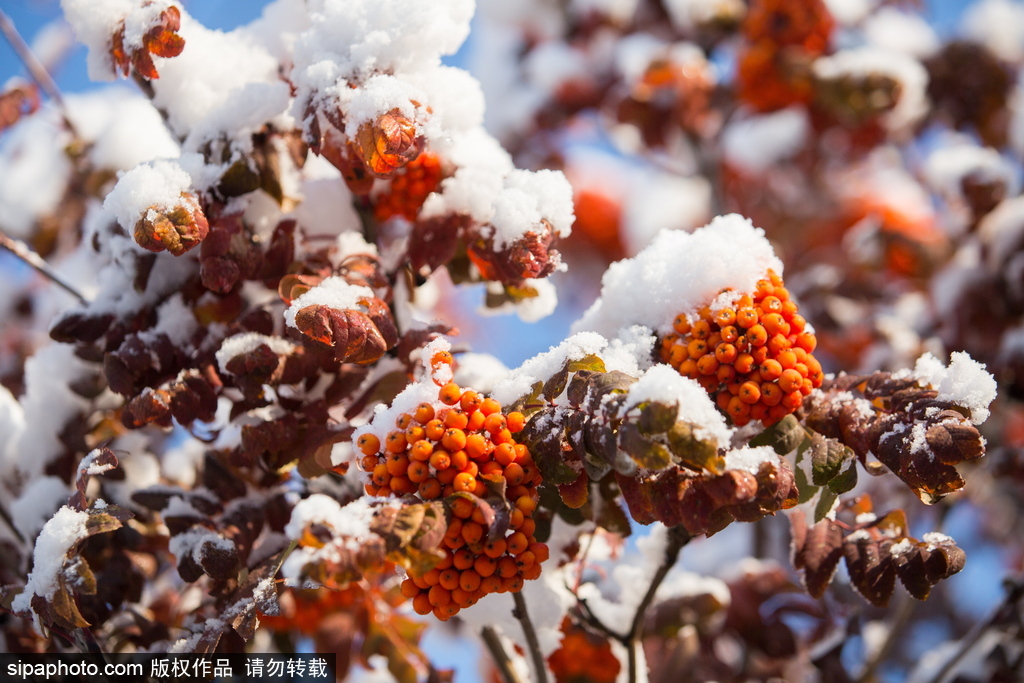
x,y
757,142
95,22
88,465
965,382
157,184
946,167
38,501
678,273
239,344
351,520
663,201
58,536
479,370
663,384
620,354
908,72
619,11
528,197
899,31
750,458
333,292
998,25
687,15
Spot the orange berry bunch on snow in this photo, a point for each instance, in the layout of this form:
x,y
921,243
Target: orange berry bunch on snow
x,y
463,453
754,357
409,189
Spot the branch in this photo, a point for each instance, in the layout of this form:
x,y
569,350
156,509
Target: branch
x,y
677,538
35,68
532,643
501,659
25,253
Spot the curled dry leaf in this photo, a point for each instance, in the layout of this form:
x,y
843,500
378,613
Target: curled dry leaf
x,y
356,336
161,39
388,144
177,229
532,256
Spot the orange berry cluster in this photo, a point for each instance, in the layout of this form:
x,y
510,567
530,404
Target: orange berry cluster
x,y
754,358
435,454
409,189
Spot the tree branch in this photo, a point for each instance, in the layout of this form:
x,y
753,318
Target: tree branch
x,y
677,538
25,253
533,645
35,68
501,659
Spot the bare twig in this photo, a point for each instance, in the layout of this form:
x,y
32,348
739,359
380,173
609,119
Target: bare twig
x,y
35,68
25,253
897,628
501,659
677,538
1006,611
532,644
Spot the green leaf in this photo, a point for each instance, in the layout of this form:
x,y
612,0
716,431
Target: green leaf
x,y
783,436
824,505
648,454
845,480
657,418
694,453
828,458
592,362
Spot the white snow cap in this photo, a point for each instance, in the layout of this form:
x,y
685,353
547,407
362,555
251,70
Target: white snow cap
x,y
157,184
758,142
59,535
238,344
912,102
96,21
678,273
662,383
998,25
334,292
964,382
948,166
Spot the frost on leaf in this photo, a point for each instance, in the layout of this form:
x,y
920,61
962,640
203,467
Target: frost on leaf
x,y
913,431
160,39
177,229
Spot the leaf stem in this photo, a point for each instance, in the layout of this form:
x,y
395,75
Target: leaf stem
x,y
501,659
532,643
26,254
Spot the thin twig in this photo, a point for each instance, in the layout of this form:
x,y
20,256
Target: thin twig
x,y
677,538
1006,610
35,68
25,253
501,659
533,645
896,629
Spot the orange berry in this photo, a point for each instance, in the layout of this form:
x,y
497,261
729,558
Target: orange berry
x,y
531,573
424,413
790,380
462,598
421,604
495,549
725,352
439,596
737,408
476,421
525,559
395,442
440,460
757,335
469,580
460,459
418,471
368,444
540,551
515,518
414,433
681,324
726,373
771,394
450,394
454,529
770,369
485,566
707,364
528,527
441,358
471,468
490,406
380,475
490,584
429,489
771,303
421,450
806,341
507,567
470,401
403,421
514,474
397,463
434,429
526,504
701,330
494,423
454,439
746,317
750,392
449,579
516,421
462,508
456,418
477,446
725,317
744,363
402,485
792,400
464,481
445,612
517,543
447,476
491,467
774,323
505,454
368,463
463,559
472,531
696,348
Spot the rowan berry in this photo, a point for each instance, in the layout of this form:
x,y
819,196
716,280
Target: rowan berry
x,y
469,580
440,460
470,401
449,579
515,421
454,439
450,394
434,429
456,418
465,482
368,444
424,413
395,441
517,543
429,489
